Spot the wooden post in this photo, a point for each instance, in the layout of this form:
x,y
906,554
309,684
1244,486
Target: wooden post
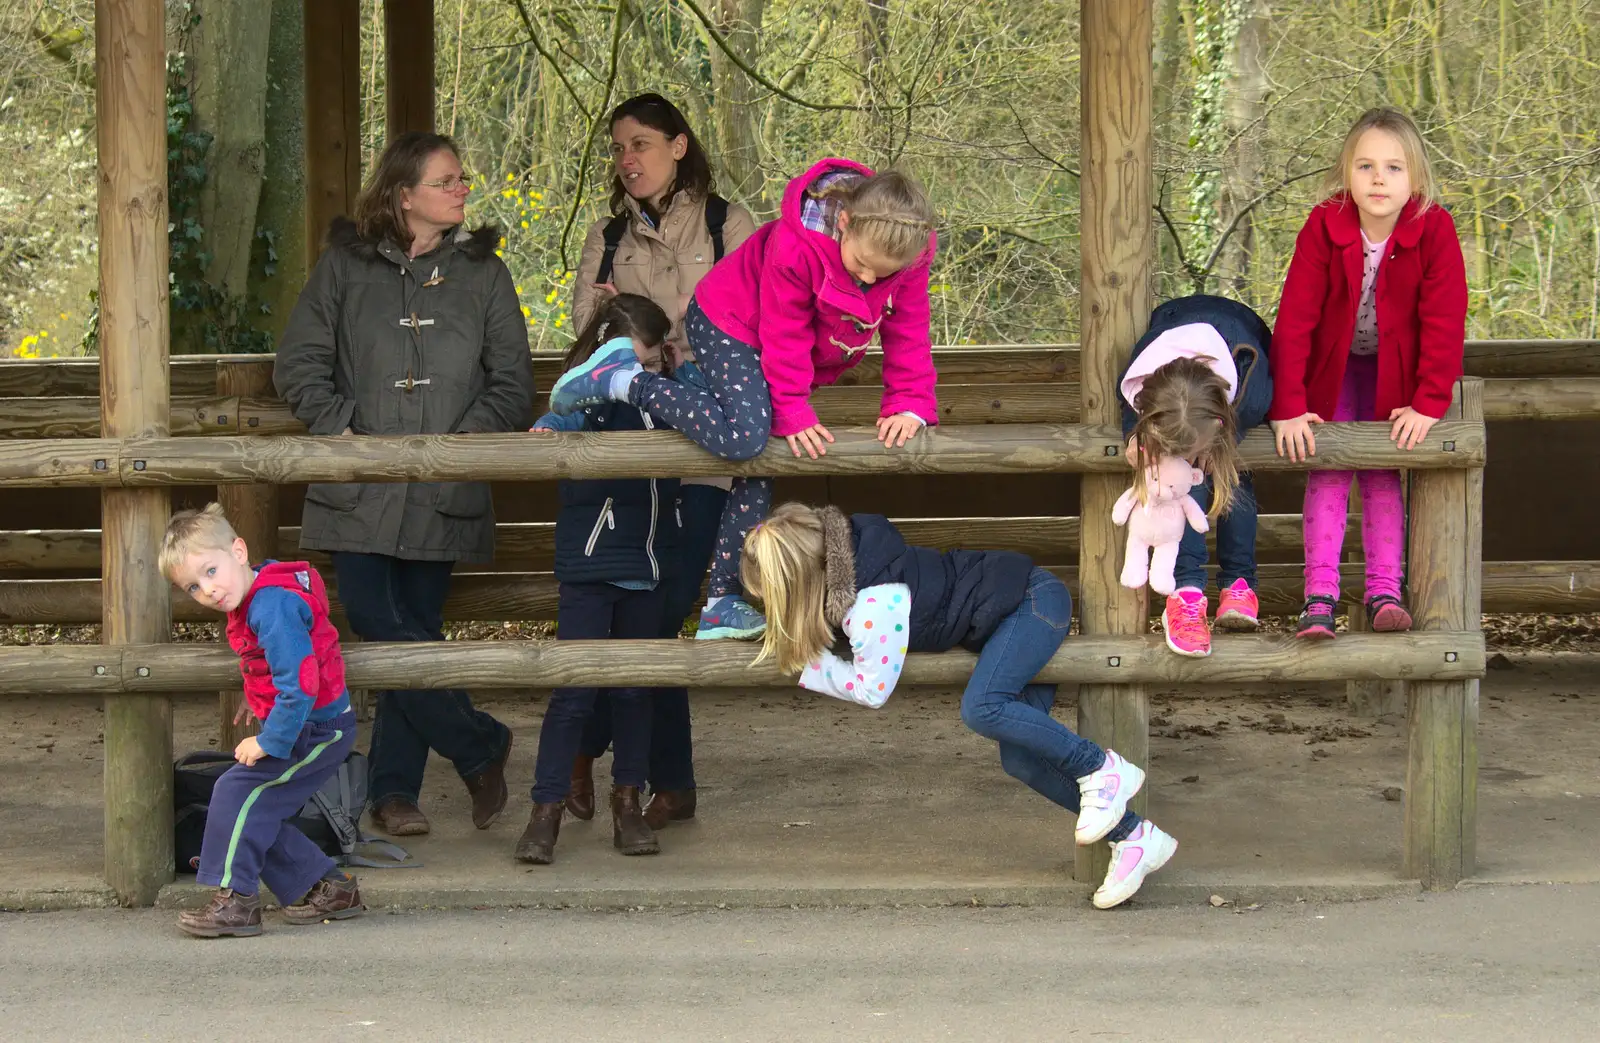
x,y
1445,586
333,115
1116,240
131,122
407,66
253,512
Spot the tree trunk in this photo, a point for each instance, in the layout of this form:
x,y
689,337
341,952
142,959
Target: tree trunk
x,y
738,22
1247,109
874,47
228,73
282,210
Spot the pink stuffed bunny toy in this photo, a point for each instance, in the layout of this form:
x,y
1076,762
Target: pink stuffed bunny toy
x,y
1157,526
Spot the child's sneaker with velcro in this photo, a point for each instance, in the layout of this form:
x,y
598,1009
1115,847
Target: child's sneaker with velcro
x,y
1103,797
1144,851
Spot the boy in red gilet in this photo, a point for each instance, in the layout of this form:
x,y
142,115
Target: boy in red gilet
x,y
294,682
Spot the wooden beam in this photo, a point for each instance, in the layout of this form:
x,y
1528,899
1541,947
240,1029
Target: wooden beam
x,y
1443,559
1116,240
1508,586
262,413
530,546
992,449
407,66
332,117
1239,659
956,363
131,130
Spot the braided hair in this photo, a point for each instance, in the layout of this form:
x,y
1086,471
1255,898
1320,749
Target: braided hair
x,y
889,212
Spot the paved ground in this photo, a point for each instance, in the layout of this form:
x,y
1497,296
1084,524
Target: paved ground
x,y
1481,964
1273,793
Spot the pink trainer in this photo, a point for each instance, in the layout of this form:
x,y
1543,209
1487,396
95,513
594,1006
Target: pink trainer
x,y
1184,620
1238,608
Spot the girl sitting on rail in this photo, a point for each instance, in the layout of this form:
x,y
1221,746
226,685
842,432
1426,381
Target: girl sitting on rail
x,y
790,310
1198,381
612,537
1372,326
826,579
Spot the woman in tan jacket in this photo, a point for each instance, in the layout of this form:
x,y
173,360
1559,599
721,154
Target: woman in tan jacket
x,y
667,228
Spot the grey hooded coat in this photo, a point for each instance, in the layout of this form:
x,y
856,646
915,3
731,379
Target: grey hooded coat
x,y
384,344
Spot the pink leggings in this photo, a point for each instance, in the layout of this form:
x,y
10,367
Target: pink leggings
x,y
1383,513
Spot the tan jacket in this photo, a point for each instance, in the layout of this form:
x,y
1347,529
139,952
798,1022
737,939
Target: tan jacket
x,y
663,264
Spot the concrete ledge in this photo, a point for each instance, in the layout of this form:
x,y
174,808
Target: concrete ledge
x,y
380,895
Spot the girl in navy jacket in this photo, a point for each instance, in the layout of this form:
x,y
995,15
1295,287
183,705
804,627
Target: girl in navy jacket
x,y
830,581
614,537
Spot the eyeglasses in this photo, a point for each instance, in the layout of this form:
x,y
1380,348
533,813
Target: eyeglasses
x,y
450,184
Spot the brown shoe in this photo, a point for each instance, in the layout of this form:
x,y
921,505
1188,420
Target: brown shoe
x,y
580,799
488,789
669,805
229,914
327,900
629,832
399,817
538,843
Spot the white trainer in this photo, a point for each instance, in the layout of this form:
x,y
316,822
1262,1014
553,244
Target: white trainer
x,y
1146,850
1104,796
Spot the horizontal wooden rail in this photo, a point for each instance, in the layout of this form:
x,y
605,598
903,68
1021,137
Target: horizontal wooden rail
x,y
98,669
1522,398
996,449
965,364
1508,586
530,546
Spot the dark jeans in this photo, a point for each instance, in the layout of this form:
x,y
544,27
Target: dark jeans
x,y
589,612
1001,703
671,744
1236,540
395,599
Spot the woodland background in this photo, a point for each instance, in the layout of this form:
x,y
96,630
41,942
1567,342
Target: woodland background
x,y
980,100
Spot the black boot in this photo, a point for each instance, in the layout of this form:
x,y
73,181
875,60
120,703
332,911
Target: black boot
x,y
538,843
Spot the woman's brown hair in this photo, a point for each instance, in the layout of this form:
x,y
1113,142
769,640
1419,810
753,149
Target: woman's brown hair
x,y
694,169
379,215
1184,411
623,315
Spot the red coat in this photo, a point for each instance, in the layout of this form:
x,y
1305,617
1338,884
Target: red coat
x,y
321,673
1422,313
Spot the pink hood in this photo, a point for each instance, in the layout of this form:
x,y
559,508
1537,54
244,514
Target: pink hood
x,y
786,292
1196,340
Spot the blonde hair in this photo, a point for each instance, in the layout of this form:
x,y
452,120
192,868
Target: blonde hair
x,y
190,532
785,567
889,213
1393,121
1184,411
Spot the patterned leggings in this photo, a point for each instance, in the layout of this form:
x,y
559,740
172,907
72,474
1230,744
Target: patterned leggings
x,y
732,420
1383,513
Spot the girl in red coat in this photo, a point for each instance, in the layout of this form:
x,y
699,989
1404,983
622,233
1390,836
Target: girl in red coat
x,y
1371,326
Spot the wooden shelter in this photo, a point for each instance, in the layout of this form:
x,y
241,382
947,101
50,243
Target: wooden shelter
x,y
135,459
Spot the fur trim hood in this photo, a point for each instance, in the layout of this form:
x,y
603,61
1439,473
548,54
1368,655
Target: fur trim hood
x,y
477,244
838,550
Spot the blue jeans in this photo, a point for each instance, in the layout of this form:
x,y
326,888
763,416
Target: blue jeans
x,y
1002,704
671,743
397,599
589,612
1236,540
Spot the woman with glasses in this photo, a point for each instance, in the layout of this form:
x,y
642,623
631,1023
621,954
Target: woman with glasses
x,y
410,325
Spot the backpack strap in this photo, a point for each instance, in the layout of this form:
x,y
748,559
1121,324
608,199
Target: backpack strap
x,y
350,836
615,229
716,217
